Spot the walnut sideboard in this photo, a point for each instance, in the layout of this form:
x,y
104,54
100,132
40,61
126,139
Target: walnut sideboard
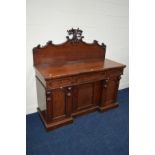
x,y
74,78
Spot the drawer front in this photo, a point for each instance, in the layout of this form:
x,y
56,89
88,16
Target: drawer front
x,y
91,77
57,83
114,72
75,80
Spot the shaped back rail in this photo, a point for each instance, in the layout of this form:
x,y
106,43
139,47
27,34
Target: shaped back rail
x,y
74,49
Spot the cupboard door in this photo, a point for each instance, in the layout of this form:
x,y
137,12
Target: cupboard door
x,y
97,92
60,105
83,96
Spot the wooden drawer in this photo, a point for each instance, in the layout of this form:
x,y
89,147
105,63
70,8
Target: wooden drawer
x,y
57,83
91,77
114,72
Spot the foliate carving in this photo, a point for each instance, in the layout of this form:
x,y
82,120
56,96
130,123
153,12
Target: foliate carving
x,y
76,35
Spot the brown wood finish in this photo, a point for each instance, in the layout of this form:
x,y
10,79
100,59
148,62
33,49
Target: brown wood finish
x,y
74,78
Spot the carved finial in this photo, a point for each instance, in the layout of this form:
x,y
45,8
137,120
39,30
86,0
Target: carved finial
x,y
49,42
76,35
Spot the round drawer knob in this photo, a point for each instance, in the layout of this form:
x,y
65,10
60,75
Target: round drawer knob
x,y
69,88
106,80
105,86
48,92
69,94
48,99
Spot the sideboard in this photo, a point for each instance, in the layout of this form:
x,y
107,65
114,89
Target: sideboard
x,y
74,78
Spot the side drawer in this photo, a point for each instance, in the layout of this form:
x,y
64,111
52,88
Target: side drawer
x,y
114,72
91,77
62,82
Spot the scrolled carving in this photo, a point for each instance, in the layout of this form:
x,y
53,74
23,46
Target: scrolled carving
x,y
76,35
103,45
37,47
95,42
49,43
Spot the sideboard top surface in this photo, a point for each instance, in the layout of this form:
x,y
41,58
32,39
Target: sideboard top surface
x,y
75,68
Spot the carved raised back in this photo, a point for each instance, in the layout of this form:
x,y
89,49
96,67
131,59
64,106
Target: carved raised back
x,y
74,49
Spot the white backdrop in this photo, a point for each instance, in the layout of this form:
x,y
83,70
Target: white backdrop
x,y
102,20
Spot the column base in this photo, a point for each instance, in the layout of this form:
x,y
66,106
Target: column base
x,y
108,107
